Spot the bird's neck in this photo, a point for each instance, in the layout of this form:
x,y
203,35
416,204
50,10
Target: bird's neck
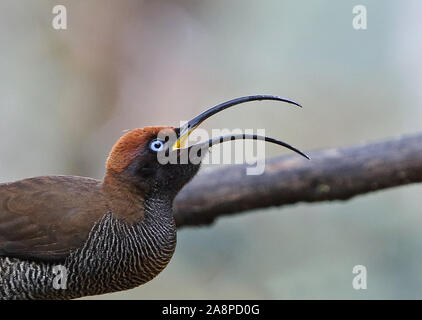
x,y
134,203
124,200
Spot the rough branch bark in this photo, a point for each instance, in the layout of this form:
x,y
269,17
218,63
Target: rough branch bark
x,y
333,174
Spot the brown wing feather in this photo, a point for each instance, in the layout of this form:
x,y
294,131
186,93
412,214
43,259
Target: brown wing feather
x,y
44,218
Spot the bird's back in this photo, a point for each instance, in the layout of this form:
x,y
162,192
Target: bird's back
x,y
44,218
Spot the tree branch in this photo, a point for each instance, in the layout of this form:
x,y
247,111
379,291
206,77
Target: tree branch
x,y
333,174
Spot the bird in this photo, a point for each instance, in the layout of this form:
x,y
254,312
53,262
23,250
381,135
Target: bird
x,y
66,237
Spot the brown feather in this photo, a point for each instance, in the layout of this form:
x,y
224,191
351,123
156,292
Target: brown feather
x,y
47,217
129,145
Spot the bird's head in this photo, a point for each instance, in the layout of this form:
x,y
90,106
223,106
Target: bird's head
x,y
150,157
135,158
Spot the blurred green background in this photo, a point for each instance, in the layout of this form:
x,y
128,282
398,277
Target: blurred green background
x,y
66,96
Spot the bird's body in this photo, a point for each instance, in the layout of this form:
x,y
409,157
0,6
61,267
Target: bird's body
x,y
107,254
106,236
64,237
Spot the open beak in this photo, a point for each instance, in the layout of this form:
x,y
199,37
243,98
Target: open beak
x,y
185,130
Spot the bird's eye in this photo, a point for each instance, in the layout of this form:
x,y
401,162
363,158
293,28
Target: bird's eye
x,y
156,145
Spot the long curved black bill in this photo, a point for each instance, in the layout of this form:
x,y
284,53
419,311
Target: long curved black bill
x,y
207,144
187,128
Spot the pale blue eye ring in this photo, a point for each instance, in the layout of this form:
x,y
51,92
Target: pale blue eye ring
x,y
156,145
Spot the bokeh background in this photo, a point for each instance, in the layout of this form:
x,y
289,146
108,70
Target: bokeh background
x,y
66,96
